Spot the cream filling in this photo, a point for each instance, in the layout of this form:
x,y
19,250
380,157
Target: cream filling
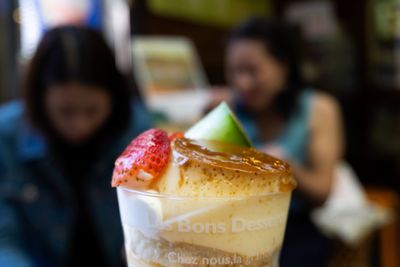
x,y
250,226
140,212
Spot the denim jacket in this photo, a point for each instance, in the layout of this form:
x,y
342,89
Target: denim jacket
x,y
37,208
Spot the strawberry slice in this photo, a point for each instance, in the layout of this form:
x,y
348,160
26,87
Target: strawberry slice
x,y
144,159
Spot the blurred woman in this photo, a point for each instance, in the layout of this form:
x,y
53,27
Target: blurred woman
x,y
57,149
286,118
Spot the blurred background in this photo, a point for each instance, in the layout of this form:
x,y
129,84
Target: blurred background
x,y
351,50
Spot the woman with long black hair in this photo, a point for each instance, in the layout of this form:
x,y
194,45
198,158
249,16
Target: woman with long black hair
x,y
57,149
286,118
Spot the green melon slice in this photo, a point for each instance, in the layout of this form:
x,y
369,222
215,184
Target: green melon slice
x,y
220,125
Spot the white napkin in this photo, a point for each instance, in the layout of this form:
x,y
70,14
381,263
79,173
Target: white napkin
x,y
347,214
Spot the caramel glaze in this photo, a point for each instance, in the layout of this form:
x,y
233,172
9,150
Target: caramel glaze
x,y
241,160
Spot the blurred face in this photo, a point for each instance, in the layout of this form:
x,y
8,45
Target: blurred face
x,y
77,111
255,75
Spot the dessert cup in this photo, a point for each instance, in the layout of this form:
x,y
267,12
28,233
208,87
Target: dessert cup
x,y
168,230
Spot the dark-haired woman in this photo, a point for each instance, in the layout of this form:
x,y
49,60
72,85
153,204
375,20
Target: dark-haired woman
x,y
57,149
289,120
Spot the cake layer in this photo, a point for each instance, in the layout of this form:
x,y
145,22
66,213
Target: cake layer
x,y
144,252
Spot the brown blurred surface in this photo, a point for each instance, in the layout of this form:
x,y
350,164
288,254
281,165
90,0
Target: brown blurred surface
x,y
387,237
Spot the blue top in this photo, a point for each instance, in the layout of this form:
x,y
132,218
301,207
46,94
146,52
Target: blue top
x,y
304,245
294,137
37,206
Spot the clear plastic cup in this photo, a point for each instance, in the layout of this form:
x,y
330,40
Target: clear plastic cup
x,y
163,230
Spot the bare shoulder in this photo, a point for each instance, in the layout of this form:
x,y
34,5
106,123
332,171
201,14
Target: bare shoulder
x,y
325,108
325,103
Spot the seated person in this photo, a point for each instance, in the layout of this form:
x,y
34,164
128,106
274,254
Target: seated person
x,y
287,119
57,151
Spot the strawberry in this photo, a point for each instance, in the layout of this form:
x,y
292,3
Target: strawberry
x,y
144,159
